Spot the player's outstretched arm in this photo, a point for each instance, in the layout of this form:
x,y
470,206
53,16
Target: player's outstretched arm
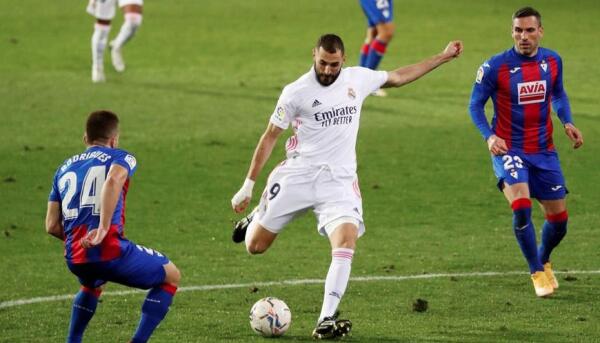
x,y
54,225
111,191
574,135
263,151
410,73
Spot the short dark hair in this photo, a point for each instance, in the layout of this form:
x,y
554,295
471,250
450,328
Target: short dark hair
x,y
101,125
528,12
331,43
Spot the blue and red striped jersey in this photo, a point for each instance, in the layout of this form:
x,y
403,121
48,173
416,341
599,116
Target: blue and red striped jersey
x,y
523,91
77,186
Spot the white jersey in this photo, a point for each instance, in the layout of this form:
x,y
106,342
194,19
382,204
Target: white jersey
x,y
325,119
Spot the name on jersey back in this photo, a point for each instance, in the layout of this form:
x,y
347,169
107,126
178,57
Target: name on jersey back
x,y
101,156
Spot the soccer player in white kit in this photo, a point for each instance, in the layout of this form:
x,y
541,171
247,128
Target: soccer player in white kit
x,y
324,107
104,12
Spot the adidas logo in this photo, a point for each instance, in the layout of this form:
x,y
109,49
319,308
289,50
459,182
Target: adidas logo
x,y
316,103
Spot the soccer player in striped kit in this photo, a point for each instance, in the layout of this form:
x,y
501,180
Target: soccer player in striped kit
x,y
380,32
525,82
86,210
323,107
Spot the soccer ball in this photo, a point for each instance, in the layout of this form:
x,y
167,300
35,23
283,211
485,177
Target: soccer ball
x,y
270,317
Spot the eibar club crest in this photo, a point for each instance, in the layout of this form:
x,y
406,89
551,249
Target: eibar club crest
x,y
544,65
351,93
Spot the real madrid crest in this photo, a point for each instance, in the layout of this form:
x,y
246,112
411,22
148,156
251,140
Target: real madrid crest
x,y
351,93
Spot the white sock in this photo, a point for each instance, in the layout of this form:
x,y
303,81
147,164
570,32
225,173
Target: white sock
x,y
251,228
130,25
99,39
337,280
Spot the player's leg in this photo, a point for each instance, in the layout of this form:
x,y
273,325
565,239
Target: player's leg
x,y
547,184
380,13
145,268
378,47
343,233
157,303
366,47
104,12
288,192
85,301
84,308
258,238
518,196
553,232
133,20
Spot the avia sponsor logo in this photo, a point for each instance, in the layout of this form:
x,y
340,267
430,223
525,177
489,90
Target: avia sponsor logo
x,y
531,92
335,116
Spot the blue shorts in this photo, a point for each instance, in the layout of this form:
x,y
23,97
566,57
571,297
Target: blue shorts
x,y
541,171
138,267
377,11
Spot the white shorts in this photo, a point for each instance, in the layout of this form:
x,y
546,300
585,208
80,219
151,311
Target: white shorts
x,y
106,9
293,189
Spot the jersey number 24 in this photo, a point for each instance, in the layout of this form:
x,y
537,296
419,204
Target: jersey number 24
x,y
90,193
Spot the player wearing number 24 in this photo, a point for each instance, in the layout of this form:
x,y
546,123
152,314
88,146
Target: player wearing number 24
x,y
86,209
525,82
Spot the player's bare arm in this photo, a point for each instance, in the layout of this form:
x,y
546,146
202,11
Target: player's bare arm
x,y
263,151
111,191
574,135
410,73
54,225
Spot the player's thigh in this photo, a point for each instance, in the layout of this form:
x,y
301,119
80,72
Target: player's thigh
x,y
377,11
547,181
102,9
338,198
139,267
511,169
89,274
288,193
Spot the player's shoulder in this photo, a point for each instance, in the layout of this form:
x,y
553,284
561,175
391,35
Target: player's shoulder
x,y
546,53
359,71
301,84
495,61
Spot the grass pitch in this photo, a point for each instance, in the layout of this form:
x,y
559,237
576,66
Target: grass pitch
x,y
202,80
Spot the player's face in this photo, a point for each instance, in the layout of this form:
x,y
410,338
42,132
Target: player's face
x,y
327,65
526,33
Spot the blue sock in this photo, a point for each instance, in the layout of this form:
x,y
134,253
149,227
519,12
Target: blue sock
x,y
525,233
154,310
364,52
376,52
554,230
84,307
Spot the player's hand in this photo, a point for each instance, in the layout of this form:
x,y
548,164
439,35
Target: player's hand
x,y
574,135
453,50
241,199
497,145
93,238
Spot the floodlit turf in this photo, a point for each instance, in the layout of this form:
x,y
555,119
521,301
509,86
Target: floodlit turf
x,y
202,80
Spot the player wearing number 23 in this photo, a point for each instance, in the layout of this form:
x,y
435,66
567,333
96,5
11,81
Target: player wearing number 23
x,y
525,82
86,209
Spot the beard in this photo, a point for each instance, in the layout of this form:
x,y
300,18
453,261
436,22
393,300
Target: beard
x,y
326,79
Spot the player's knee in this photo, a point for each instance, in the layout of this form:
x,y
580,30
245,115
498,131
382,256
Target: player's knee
x,y
173,275
255,248
386,32
135,19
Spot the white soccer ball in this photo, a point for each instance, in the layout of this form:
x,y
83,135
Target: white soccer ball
x,y
270,317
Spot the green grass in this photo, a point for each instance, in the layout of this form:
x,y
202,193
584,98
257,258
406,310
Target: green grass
x,y
202,80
